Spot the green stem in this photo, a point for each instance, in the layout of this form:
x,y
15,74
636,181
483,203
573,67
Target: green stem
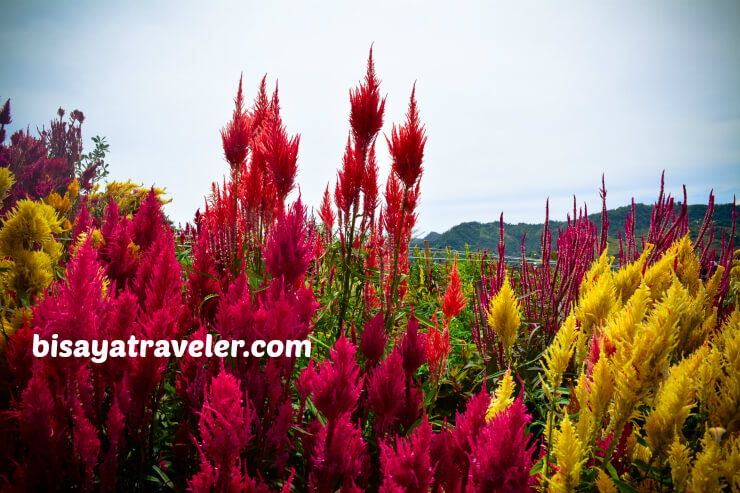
x,y
347,261
394,277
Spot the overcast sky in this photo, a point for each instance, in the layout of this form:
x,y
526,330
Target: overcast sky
x,y
522,100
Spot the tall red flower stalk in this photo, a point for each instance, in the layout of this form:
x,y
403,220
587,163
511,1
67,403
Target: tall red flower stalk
x,y
358,175
438,349
406,147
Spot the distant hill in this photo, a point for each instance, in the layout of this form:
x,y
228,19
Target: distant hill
x,y
485,236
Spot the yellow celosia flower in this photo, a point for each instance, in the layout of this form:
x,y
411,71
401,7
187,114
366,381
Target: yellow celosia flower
x,y
570,455
679,458
594,307
504,396
558,354
6,183
605,484
505,316
74,188
659,276
731,462
687,267
61,204
128,195
672,407
27,241
627,279
96,239
706,471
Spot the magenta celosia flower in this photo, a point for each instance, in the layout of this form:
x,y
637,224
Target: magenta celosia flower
x,y
451,447
225,421
408,466
337,388
338,456
288,250
373,340
406,145
366,113
413,347
498,468
148,222
86,445
385,392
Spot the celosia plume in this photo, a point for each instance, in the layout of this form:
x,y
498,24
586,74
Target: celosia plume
x,y
454,300
504,316
366,114
406,145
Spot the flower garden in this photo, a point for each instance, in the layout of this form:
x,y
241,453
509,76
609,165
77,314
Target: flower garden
x,y
577,372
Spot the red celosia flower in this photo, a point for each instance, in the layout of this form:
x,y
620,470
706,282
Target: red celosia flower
x,y
279,151
438,348
349,180
366,114
455,300
413,347
337,389
370,186
235,136
406,146
288,249
326,213
373,340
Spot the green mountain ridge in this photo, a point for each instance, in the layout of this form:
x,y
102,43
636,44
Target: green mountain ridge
x,y
485,236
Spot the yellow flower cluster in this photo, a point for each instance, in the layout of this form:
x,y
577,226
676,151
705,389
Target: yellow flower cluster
x,y
29,253
504,396
6,183
658,361
127,195
505,316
